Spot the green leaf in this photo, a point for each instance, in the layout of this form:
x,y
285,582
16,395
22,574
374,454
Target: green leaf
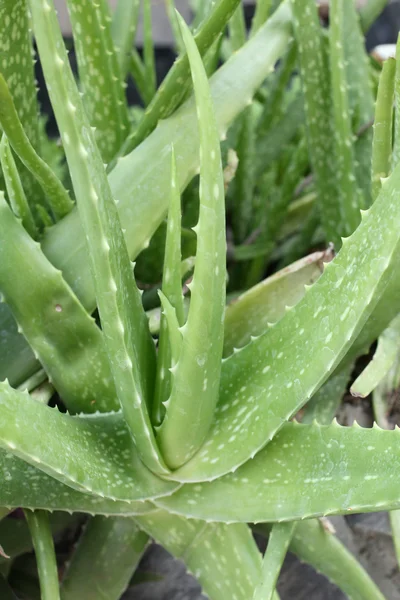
x,y
64,337
263,8
100,75
172,291
333,477
253,311
382,361
104,560
27,487
382,142
361,96
139,180
348,194
223,558
98,455
317,102
279,540
196,375
268,381
396,141
19,75
123,31
57,195
15,191
315,544
173,88
148,51
42,538
370,11
324,404
129,345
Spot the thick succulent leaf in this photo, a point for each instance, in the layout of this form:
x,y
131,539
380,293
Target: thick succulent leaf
x,y
148,51
382,361
16,538
348,195
196,376
316,90
144,180
64,337
253,311
98,455
104,560
28,487
129,345
172,90
19,74
315,544
279,540
263,8
42,538
57,196
123,30
387,389
15,191
270,379
223,558
100,75
324,404
172,291
333,477
361,96
370,11
396,141
382,142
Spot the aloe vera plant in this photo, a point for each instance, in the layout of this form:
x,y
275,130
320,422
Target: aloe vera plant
x,y
194,392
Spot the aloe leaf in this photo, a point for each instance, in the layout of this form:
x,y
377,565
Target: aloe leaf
x,y
172,290
105,559
64,337
15,191
396,144
273,105
263,8
137,70
173,88
382,394
361,96
27,487
381,363
100,76
16,538
197,373
129,345
336,308
99,455
316,90
279,540
123,31
223,558
148,50
316,545
333,477
382,142
42,538
324,404
237,28
173,21
370,11
57,196
19,75
252,312
348,193
65,245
